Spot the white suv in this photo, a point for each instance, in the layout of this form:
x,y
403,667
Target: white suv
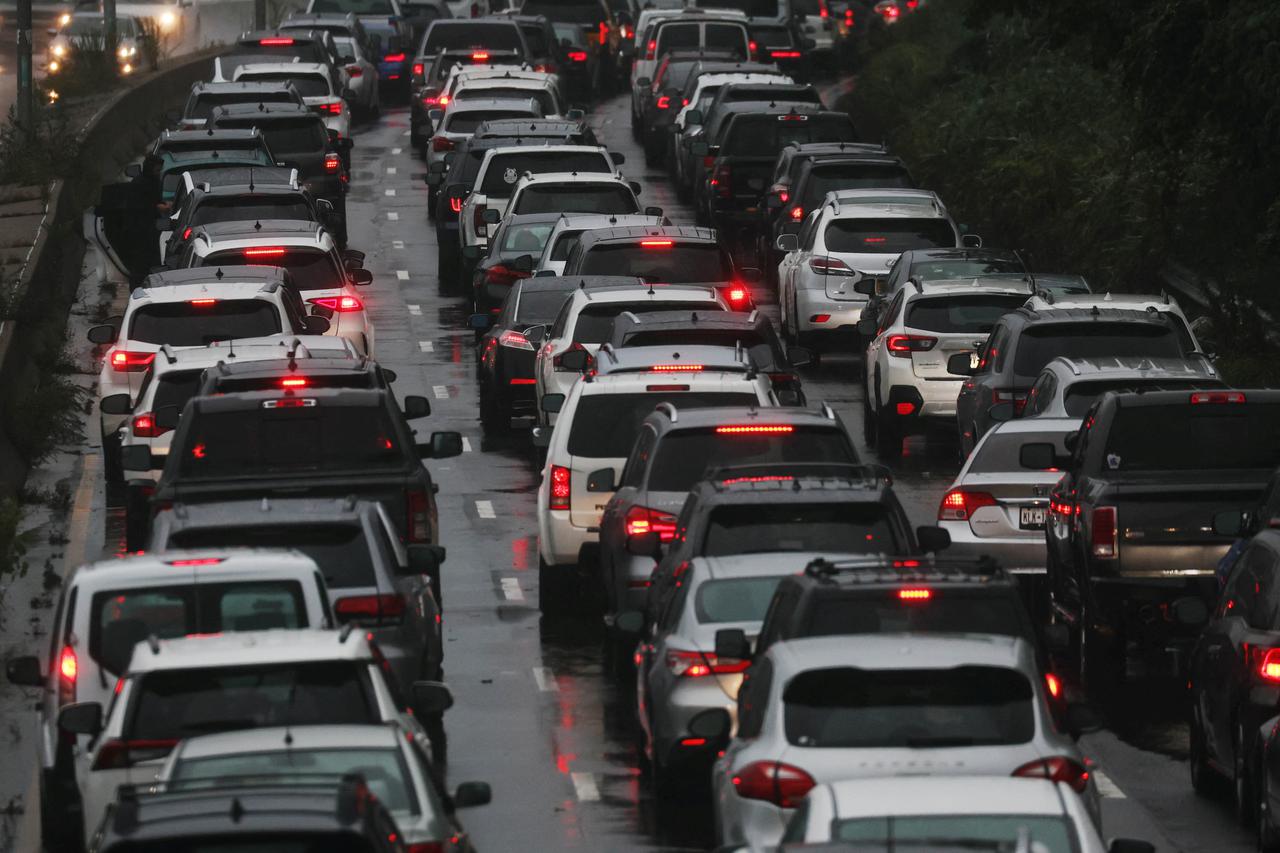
x,y
586,321
907,385
852,239
599,419
577,192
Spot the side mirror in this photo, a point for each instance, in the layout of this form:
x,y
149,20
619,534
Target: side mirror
x,y
617,157
325,206
470,794
575,359
353,258
480,322
136,457
1081,720
416,407
133,170
1001,412
789,243
732,643
166,417
575,114
491,216
601,481
524,263
712,723
115,404
643,82
865,287
961,364
25,671
932,539
971,241
645,545
1038,456
1130,845
81,718
750,275
444,445
799,356
360,277
867,327
552,403
629,622
316,325
693,117
430,697
1229,522
425,560
535,333
105,334
653,211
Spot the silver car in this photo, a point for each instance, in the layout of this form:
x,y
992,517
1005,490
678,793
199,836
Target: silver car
x,y
822,709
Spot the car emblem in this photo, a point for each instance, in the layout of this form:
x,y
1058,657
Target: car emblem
x,y
1039,491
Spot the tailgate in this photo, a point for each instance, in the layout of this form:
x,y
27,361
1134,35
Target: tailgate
x,y
1021,502
1166,530
585,508
750,176
932,363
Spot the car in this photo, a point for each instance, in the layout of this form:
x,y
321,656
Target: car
x,y
965,810
539,38
304,362
719,29
388,30
362,76
309,254
182,150
595,20
597,422
1025,340
846,704
570,192
1162,303
570,227
383,587
543,88
86,31
580,66
205,97
663,98
465,33
511,250
183,309
1067,387
949,264
398,772
445,67
314,82
785,44
908,389
104,608
185,686
458,120
816,22
585,322
274,45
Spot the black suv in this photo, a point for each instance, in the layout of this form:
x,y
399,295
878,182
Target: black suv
x,y
249,200
324,369
206,97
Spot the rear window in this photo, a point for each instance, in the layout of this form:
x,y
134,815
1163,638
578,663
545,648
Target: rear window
x,y
468,122
358,7
463,36
684,456
887,236
204,105
301,136
182,324
304,440
760,347
662,262
939,269
527,239
768,37
176,388
1041,833
183,703
340,550
242,209
999,453
851,177
546,101
254,51
848,528
975,314
674,36
578,198
753,8
946,611
765,135
844,707
734,599
1080,396
605,425
1038,344
308,85
595,324
566,11
505,169
1236,436
119,619
309,270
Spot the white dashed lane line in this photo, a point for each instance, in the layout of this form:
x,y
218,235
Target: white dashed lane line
x,y
1106,788
391,170
392,215
484,509
466,444
403,275
546,679
511,590
396,150
441,392
584,784
426,346
415,310
390,192
397,244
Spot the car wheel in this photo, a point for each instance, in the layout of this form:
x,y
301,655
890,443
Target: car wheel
x,y
1267,837
1242,780
1203,781
555,587
113,469
492,419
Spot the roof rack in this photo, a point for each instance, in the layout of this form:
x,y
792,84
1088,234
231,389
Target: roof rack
x,y
923,566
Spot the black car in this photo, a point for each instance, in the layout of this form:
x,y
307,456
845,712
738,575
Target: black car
x,y
513,248
783,44
594,20
500,34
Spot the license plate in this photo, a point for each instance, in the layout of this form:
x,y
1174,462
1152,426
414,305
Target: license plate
x,y
1031,518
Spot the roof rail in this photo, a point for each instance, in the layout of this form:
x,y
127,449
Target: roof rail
x,y
827,411
168,353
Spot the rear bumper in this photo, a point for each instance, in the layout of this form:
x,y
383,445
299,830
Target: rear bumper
x,y
933,400
1017,554
559,541
671,713
811,304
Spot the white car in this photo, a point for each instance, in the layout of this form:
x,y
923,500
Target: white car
x,y
1162,303
908,387
107,607
599,417
307,251
457,121
362,75
845,244
570,226
586,321
543,88
464,73
823,709
319,91
178,688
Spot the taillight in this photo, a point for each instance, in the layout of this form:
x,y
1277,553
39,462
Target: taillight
x,y
329,109
653,49
641,520
797,213
332,164
144,426
604,33
753,429
781,784
1057,769
417,508
68,669
824,265
664,102
557,362
1269,669
386,609
697,664
515,340
455,204
503,275
577,56
1217,397
902,346
441,143
275,42
722,179
1102,536
1017,398
340,304
186,233
131,362
477,220
418,69
117,754
560,482
480,56
848,17
1054,686
738,297
961,504
784,54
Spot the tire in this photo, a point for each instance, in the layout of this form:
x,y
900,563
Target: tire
x,y
113,469
888,436
1242,781
556,588
1203,780
1267,837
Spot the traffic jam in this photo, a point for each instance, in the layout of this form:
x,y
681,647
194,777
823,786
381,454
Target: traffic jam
x,y
557,427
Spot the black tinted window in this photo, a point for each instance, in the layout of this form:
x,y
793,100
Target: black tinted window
x,y
1224,435
540,306
764,135
759,347
463,36
505,169
302,136
887,236
975,314
578,199
946,611
684,456
468,122
1082,395
951,268
753,8
848,528
605,425
660,262
340,550
536,39
204,104
1039,344
595,323
309,270
566,11
241,209
308,85
176,388
850,177
184,324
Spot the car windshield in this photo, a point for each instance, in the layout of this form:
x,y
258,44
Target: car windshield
x,y
852,176
339,549
595,323
660,260
308,85
525,239
381,8
292,841
121,618
296,440
566,11
449,36
241,209
605,425
1041,833
734,599
197,323
1080,396
1227,436
1092,339
942,269
504,170
684,456
1000,452
578,198
761,135
968,314
204,104
309,269
947,610
887,236
181,703
846,707
849,528
384,770
468,122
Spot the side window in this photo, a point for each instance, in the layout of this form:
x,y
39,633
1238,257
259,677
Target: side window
x,y
1040,395
638,463
892,312
54,637
1260,568
675,602
778,613
753,698
993,352
557,329
809,229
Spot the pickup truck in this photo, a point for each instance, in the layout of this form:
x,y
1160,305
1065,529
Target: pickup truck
x,y
309,443
1132,539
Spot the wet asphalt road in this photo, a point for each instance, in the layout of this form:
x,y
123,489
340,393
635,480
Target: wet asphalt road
x,y
540,711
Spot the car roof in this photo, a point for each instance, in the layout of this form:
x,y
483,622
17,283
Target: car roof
x,y
139,567
680,362
898,651
243,188
594,221
683,234
285,738
215,290
642,291
238,86
211,135
902,796
254,275
953,287
238,354
266,229
267,511
888,571
1132,366
329,345
573,178
295,66
566,283
249,648
694,319
1160,302
1050,315
245,175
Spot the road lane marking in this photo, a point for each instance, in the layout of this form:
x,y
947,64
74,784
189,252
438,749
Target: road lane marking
x,y
466,444
415,310
441,392
511,590
1106,788
403,275
396,150
391,170
584,784
392,216
426,346
484,509
390,192
397,244
406,133
546,679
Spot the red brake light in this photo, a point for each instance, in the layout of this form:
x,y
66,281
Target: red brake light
x,y
641,520
560,481
697,664
131,362
736,294
577,56
657,244
754,428
370,609
417,508
781,784
197,561
915,594
1057,769
902,346
186,233
825,265
653,48
293,382
68,666
675,368
441,143
479,56
275,42
202,302
797,213
515,340
393,57
664,102
118,754
1270,669
341,304
752,46
1055,686
332,109
785,54
144,426
332,163
418,68
1218,397
455,204
1102,537
960,505
264,252
355,71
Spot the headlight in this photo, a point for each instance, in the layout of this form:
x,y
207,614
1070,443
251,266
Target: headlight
x,y
167,20
59,50
64,19
54,66
126,51
126,69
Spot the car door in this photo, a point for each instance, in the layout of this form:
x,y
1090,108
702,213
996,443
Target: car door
x,y
543,362
967,401
1214,650
875,350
